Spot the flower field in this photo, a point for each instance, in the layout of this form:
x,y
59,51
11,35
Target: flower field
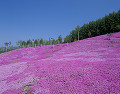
x,y
88,66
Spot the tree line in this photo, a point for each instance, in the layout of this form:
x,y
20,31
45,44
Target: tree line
x,y
39,42
108,24
30,43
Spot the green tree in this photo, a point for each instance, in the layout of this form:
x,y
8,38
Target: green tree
x,y
50,42
60,38
36,42
78,30
89,34
24,44
118,28
46,42
53,41
73,35
19,43
29,43
67,39
33,42
10,43
57,42
41,41
6,44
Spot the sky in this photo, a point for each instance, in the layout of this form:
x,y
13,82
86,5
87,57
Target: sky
x,y
36,19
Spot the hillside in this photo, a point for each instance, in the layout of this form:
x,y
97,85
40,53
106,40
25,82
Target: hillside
x,y
88,66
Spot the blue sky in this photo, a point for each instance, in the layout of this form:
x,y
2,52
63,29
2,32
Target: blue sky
x,y
35,19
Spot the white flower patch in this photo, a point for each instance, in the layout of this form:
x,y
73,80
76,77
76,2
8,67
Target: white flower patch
x,y
17,83
3,86
12,69
90,59
83,53
39,90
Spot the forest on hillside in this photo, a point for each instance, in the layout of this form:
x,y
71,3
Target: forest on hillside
x,y
106,25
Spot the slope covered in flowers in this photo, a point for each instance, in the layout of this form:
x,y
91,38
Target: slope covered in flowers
x,y
89,66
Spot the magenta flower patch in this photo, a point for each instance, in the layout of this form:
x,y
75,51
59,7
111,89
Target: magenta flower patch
x,y
88,66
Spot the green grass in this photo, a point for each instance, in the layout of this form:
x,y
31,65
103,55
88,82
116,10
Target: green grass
x,y
43,52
